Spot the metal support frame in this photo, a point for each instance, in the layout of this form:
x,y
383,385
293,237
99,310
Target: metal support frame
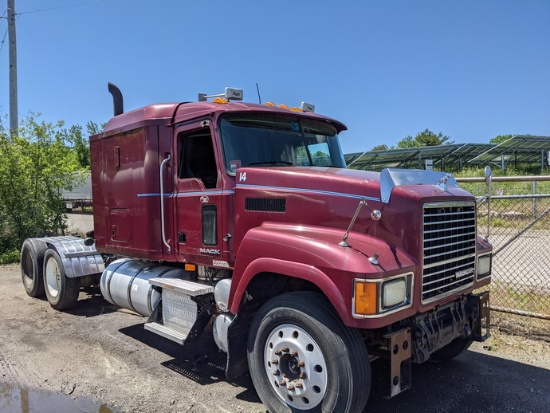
x,y
484,320
399,345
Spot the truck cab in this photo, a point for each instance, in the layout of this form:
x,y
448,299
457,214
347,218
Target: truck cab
x,y
244,217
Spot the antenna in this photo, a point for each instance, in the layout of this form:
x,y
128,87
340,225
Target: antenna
x,y
259,97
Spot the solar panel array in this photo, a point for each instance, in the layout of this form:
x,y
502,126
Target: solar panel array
x,y
518,150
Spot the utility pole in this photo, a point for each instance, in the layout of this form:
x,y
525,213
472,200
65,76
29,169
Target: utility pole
x,y
14,115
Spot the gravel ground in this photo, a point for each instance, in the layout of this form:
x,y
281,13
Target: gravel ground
x,y
99,352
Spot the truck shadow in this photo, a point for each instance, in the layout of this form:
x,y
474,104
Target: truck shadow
x,y
91,303
473,382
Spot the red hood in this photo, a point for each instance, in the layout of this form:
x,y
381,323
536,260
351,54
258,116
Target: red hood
x,y
320,180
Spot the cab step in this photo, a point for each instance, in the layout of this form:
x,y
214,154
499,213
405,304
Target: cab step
x,y
177,313
166,332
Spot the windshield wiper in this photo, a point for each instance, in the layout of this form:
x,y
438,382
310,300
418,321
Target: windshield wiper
x,y
271,163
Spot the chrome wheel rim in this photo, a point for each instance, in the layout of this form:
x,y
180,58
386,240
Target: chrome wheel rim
x,y
295,366
53,278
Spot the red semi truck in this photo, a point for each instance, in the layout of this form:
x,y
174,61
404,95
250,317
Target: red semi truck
x,y
244,219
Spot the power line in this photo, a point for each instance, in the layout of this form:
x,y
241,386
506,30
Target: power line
x,y
6,32
3,40
59,7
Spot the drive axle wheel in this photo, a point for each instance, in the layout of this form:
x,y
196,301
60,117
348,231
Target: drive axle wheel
x,y
32,262
303,359
61,291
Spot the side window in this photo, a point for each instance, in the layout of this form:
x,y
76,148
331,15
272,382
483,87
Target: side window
x,y
320,154
316,154
197,158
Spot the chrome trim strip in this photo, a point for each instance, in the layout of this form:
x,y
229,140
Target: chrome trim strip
x,y
185,194
307,191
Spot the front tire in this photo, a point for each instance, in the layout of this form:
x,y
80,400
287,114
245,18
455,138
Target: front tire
x,y
32,262
303,359
61,291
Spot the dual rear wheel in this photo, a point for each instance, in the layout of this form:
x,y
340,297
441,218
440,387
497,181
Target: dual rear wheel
x,y
61,291
42,273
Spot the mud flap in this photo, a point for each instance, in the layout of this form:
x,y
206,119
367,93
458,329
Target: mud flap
x,y
484,320
237,337
399,344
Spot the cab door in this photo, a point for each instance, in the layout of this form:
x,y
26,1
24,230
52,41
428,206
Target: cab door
x,y
199,224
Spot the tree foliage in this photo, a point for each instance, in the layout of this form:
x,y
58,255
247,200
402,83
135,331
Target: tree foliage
x,y
35,165
500,138
424,138
80,144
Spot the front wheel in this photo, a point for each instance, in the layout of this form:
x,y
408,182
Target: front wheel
x,y
61,291
303,359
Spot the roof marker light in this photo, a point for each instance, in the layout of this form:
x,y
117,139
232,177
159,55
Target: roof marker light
x,y
283,106
269,104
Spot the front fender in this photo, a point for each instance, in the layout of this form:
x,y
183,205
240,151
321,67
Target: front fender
x,y
312,253
291,269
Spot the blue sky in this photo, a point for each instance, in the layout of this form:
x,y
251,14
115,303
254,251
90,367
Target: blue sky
x,y
387,69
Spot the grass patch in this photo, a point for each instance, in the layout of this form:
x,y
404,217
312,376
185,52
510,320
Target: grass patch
x,y
528,299
9,257
504,324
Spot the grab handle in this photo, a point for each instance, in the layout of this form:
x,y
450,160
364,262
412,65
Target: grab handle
x,y
162,202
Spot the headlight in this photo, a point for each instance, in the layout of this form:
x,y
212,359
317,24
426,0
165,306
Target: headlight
x,y
484,266
394,292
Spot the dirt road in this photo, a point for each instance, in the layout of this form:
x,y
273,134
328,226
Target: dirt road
x,y
103,353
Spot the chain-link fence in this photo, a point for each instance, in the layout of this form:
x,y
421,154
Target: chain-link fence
x,y
517,221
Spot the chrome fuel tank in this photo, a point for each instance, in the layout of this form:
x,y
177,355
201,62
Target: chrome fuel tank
x,y
125,282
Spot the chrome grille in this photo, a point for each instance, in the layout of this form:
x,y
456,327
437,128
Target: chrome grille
x,y
449,249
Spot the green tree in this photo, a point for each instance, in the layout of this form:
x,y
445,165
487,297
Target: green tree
x,y
382,147
80,144
35,165
425,138
499,139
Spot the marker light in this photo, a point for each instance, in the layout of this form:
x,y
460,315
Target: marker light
x,y
282,106
365,297
190,267
269,104
220,100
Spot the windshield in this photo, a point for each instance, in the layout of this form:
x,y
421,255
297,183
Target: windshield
x,y
278,140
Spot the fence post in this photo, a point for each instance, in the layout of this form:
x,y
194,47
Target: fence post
x,y
534,191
